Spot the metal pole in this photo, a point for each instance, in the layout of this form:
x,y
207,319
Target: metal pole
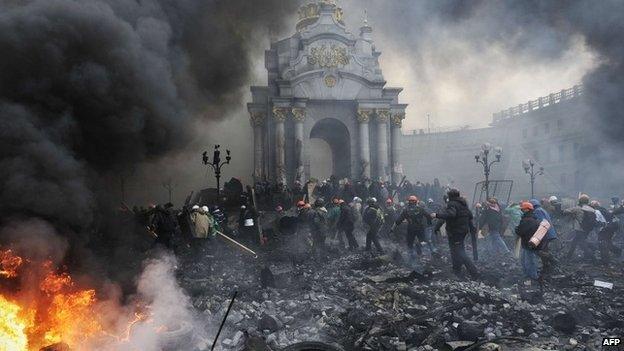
x,y
223,321
428,124
218,176
486,170
532,183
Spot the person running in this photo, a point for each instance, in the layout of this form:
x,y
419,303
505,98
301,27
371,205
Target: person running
x,y
418,219
459,222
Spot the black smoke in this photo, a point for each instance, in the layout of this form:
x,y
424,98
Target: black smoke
x,y
91,88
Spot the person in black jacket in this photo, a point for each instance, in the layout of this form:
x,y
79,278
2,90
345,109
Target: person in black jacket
x,y
418,219
373,217
526,228
459,223
346,223
606,233
165,224
492,217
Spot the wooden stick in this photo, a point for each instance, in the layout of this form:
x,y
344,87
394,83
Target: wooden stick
x,y
237,243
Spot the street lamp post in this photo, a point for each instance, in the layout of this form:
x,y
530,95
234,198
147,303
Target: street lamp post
x,y
216,164
487,165
528,166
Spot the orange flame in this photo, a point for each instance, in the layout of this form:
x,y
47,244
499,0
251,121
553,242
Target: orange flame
x,y
9,263
53,311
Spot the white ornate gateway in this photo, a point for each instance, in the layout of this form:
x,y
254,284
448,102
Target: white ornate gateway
x,y
325,82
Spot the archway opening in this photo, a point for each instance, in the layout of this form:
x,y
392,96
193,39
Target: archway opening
x,y
321,159
330,145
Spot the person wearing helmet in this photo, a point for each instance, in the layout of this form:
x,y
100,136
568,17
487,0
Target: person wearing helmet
x,y
418,219
583,223
314,221
390,215
526,228
553,207
459,222
374,219
200,228
492,217
201,220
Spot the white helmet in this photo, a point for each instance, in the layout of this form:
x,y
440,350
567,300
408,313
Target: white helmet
x,y
196,207
357,199
205,209
552,198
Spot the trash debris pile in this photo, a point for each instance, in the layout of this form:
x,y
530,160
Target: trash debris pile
x,y
359,301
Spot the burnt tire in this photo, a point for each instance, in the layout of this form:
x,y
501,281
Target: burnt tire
x,y
176,338
312,346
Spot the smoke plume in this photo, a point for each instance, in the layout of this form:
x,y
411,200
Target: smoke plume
x,y
92,88
461,61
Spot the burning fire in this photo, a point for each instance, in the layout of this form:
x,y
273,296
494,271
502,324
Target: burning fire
x,y
9,264
54,310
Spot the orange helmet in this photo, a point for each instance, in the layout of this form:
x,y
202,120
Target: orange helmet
x,y
301,203
389,201
526,206
308,206
412,199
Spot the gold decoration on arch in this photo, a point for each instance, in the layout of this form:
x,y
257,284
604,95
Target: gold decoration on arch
x,y
331,57
330,81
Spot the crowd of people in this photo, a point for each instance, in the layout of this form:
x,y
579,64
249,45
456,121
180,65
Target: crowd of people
x,y
333,212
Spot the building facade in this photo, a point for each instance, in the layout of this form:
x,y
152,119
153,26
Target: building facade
x,y
325,82
550,130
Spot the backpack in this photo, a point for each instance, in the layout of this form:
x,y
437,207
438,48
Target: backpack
x,y
589,221
372,216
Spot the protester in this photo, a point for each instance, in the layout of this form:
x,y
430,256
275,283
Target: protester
x,y
418,219
492,217
513,214
165,225
333,214
346,224
318,226
390,216
583,222
459,222
373,218
606,233
248,225
525,230
548,259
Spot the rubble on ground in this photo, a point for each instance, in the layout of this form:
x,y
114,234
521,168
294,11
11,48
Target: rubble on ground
x,y
363,301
